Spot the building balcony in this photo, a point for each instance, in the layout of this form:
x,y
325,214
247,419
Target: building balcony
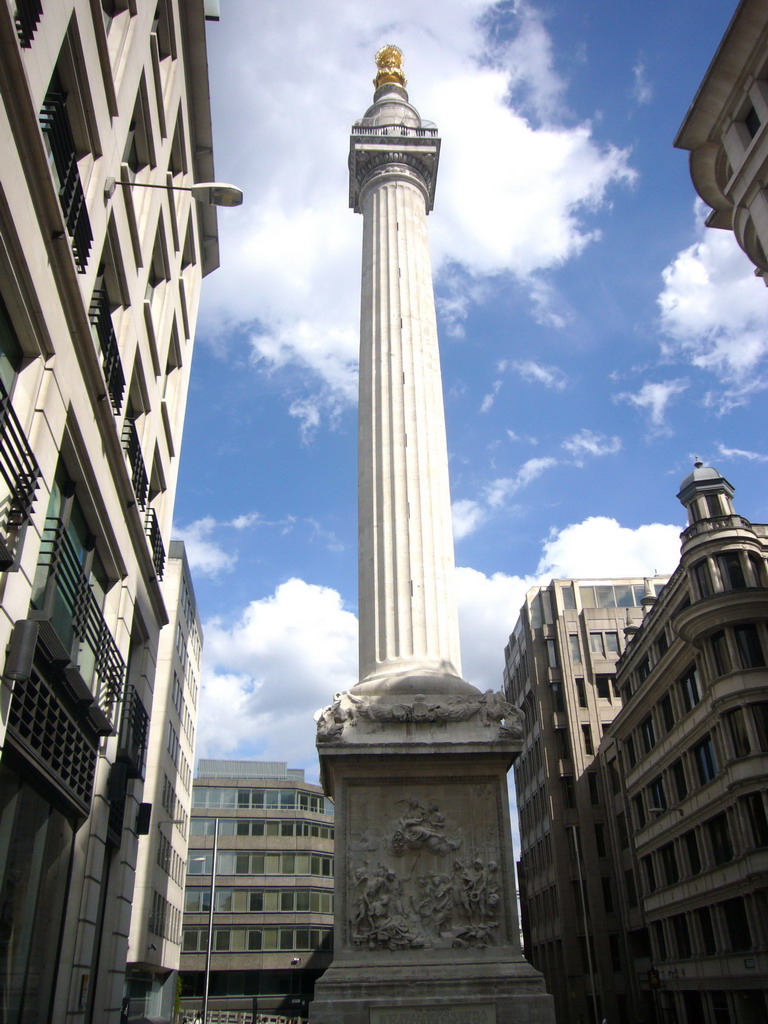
x,y
710,528
721,609
134,733
156,546
76,627
132,448
19,470
28,14
54,123
101,322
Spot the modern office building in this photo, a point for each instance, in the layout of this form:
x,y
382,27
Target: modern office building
x,y
560,666
272,887
726,132
686,763
155,936
99,287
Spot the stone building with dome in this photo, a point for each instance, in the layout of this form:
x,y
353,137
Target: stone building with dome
x,y
684,767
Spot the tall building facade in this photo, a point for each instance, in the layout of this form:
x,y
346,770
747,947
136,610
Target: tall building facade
x,y
726,133
560,670
155,936
685,765
99,287
271,919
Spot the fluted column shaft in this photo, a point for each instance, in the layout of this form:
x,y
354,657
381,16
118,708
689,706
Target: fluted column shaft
x,y
408,618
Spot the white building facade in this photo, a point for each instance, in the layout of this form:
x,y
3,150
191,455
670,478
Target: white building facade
x,y
99,288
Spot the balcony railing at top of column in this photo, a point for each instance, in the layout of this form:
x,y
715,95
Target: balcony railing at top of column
x,y
426,131
28,13
134,729
101,322
132,448
55,125
18,465
78,611
152,530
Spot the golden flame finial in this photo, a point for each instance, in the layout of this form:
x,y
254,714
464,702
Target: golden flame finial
x,y
389,61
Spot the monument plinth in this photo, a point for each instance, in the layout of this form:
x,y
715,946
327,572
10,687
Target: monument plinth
x,y
415,758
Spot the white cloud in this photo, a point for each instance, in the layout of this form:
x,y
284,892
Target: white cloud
x,y
490,398
499,490
292,251
642,90
653,398
600,547
741,453
586,442
204,555
265,674
467,516
714,312
533,372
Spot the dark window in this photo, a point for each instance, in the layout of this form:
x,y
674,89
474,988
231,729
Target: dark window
x,y
669,863
629,746
720,839
650,874
594,793
737,924
706,763
586,731
662,644
621,827
607,894
612,643
682,936
659,941
678,775
581,691
731,572
667,711
568,793
748,645
720,653
557,696
752,122
603,684
639,806
629,885
648,734
657,794
643,670
692,850
760,718
551,644
613,941
561,737
703,578
600,839
758,822
738,732
707,932
689,689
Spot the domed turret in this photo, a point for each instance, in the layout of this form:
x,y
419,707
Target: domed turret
x,y
706,494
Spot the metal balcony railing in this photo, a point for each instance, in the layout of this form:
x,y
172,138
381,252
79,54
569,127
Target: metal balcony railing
x,y
55,124
76,615
28,13
427,130
101,322
134,730
18,466
152,530
132,448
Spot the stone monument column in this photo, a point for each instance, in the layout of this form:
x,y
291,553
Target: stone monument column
x,y
415,758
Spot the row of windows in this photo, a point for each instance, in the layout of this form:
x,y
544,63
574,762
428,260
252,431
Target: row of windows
x,y
173,807
539,857
169,860
722,927
185,716
260,827
197,900
528,768
280,799
708,845
164,919
533,812
199,862
254,940
730,570
543,909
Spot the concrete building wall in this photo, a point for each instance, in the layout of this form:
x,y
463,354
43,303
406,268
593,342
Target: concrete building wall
x,y
560,670
99,289
273,905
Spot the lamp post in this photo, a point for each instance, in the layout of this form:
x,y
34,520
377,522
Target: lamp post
x,y
211,193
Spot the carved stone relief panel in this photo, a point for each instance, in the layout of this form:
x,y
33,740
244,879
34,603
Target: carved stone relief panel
x,y
424,872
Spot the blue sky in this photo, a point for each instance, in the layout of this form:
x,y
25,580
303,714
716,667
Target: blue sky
x,y
594,335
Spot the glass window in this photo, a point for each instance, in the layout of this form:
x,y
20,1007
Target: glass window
x,y
669,863
581,691
703,578
650,873
760,718
720,653
706,763
648,734
569,599
600,839
568,792
692,851
603,684
748,646
657,795
689,689
667,711
573,643
589,747
720,839
596,644
682,936
629,747
706,931
731,571
557,696
659,940
199,862
612,644
758,822
737,924
678,776
594,792
639,808
605,597
738,732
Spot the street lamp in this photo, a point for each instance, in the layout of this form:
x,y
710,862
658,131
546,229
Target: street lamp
x,y
211,193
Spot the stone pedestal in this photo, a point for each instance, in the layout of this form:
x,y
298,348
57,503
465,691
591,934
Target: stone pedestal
x,y
426,926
